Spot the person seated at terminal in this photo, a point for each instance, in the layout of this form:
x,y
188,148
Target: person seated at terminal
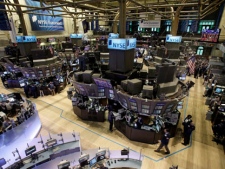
x,y
139,122
51,88
8,106
8,124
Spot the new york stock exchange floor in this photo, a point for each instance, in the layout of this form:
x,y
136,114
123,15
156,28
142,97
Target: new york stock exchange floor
x,y
57,116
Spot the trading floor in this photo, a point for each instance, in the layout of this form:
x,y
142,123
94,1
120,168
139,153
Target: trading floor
x,y
57,116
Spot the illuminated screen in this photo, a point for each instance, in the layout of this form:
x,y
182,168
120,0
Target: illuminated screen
x,y
103,83
93,161
219,90
30,150
210,35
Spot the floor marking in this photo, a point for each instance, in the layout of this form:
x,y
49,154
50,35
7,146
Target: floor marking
x,y
155,160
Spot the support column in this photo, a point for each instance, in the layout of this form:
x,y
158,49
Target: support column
x,y
174,26
115,27
122,23
74,25
22,21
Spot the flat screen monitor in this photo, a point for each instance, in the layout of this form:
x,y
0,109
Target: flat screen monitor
x,y
51,142
93,161
101,152
83,160
30,150
64,164
100,82
219,90
124,152
2,162
209,35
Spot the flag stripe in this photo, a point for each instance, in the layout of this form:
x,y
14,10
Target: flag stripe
x,y
191,64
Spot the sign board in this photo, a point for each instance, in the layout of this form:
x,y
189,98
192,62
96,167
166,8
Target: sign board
x,y
173,39
25,39
42,22
122,44
113,35
150,24
76,36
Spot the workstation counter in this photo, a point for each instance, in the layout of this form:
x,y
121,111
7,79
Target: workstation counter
x,y
140,135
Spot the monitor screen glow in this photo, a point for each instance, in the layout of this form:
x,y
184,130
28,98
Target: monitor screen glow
x,y
93,161
209,35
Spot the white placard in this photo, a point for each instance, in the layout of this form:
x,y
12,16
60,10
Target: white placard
x,y
150,24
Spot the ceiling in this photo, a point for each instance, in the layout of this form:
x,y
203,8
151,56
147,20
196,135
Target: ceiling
x,y
136,10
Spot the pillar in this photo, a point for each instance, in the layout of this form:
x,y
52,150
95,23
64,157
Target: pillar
x,y
115,27
22,21
122,18
174,26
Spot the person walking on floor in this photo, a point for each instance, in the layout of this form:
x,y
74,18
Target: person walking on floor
x,y
187,134
164,142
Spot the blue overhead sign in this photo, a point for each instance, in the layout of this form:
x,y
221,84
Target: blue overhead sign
x,y
42,21
25,39
76,36
175,39
122,44
113,35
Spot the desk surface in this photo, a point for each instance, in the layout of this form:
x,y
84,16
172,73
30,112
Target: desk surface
x,y
70,142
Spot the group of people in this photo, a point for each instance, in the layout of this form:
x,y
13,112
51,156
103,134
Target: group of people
x,y
188,128
31,90
7,120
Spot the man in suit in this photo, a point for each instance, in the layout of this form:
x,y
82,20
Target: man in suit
x,y
111,120
187,134
164,142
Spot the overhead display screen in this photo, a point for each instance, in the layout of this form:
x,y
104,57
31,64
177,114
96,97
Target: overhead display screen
x,y
173,39
43,21
25,39
76,36
210,35
113,35
122,44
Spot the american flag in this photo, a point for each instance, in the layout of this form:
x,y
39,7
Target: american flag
x,y
51,50
191,64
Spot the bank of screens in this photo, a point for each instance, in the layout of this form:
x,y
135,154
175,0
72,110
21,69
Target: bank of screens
x,y
180,105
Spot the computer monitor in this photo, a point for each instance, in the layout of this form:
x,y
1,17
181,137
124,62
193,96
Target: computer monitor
x,y
83,160
64,164
30,150
2,162
93,161
51,142
218,90
101,152
124,152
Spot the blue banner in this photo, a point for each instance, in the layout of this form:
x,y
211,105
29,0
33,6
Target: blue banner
x,y
122,44
42,22
4,20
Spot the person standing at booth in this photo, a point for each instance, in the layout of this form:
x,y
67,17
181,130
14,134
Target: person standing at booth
x,y
26,90
164,142
187,134
111,120
187,121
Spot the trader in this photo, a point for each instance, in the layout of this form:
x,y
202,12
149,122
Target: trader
x,y
164,142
